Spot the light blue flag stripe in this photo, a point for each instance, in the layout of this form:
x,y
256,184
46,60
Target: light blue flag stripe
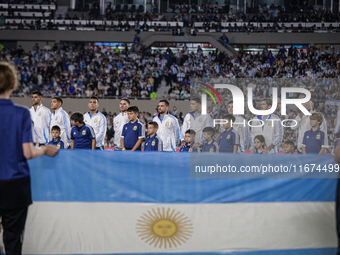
x,y
163,178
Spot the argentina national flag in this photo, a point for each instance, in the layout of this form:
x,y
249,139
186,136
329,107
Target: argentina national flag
x,y
93,202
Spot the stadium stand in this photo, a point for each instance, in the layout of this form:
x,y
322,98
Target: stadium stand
x,y
68,71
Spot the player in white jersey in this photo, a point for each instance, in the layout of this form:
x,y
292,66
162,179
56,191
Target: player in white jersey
x,y
269,126
337,124
119,121
196,121
41,117
303,124
168,127
60,118
97,121
240,127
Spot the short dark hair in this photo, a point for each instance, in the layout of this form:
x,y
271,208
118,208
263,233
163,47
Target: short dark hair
x,y
55,128
153,123
317,116
191,132
197,100
290,143
95,97
37,92
209,130
165,101
268,101
133,109
125,99
230,102
58,99
260,138
77,116
230,117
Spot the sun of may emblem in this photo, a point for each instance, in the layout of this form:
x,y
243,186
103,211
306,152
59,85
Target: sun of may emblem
x,y
164,228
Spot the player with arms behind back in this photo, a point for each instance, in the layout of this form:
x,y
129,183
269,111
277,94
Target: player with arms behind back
x,y
97,121
60,118
41,117
168,127
119,121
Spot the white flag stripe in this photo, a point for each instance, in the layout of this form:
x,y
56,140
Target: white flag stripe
x,y
88,228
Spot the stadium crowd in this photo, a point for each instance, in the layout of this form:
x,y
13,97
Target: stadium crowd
x,y
70,71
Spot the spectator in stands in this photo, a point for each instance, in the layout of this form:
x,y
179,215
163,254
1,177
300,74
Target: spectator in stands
x,y
136,40
47,47
225,39
108,11
137,28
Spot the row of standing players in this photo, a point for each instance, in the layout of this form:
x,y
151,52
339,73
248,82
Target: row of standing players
x,y
89,130
55,129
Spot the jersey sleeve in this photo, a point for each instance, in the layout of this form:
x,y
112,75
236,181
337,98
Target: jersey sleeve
x,y
176,130
185,126
92,133
113,124
323,128
219,139
141,131
243,135
298,122
324,141
123,131
160,145
47,118
278,133
304,139
337,127
72,137
102,128
236,139
27,127
67,124
215,146
251,136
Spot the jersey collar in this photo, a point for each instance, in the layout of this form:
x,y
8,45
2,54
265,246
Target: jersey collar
x,y
260,117
37,107
56,111
192,114
93,114
315,130
167,113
